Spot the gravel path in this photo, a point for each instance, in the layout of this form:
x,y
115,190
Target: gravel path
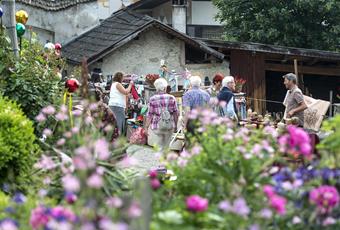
x,y
145,155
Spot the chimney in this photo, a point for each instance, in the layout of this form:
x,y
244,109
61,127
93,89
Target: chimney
x,y
179,15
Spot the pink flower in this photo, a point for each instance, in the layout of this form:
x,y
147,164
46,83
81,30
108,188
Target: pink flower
x,y
196,150
61,141
278,203
49,110
182,162
68,134
40,118
38,218
268,190
114,202
128,162
134,210
70,183
155,184
329,221
325,197
185,154
196,203
153,173
79,163
171,157
95,181
296,142
61,117
101,148
45,163
75,130
47,132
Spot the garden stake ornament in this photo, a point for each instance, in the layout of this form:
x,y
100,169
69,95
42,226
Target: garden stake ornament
x,y
71,86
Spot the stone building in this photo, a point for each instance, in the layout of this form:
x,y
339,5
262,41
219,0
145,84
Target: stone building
x,y
136,43
62,20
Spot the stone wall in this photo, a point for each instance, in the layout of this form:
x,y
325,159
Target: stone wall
x,y
64,25
143,56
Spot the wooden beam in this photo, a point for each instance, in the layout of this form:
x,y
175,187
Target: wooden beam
x,y
304,69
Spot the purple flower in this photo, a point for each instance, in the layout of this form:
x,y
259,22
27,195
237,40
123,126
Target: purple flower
x,y
182,162
196,203
77,113
95,181
70,183
196,150
254,227
225,206
71,198
128,162
8,224
266,213
240,207
101,148
49,110
40,118
171,157
19,198
114,202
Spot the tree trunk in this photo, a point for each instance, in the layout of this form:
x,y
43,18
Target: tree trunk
x,y
9,22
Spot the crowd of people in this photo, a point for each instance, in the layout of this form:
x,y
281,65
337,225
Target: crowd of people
x,y
162,118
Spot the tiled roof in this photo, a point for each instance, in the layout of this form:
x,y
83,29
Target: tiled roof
x,y
53,5
275,49
117,30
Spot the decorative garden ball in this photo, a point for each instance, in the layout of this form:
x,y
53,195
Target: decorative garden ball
x,y
20,28
49,46
1,12
57,46
72,85
21,17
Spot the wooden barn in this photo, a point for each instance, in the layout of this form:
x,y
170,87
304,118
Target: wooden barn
x,y
264,65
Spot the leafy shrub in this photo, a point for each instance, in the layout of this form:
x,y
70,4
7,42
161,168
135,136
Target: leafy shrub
x,y
17,149
32,81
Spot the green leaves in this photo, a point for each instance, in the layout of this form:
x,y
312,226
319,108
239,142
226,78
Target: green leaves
x,y
298,23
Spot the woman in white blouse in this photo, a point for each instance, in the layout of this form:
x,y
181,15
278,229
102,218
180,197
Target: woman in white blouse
x,y
118,100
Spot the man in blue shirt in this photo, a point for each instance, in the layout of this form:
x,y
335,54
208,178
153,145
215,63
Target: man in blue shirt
x,y
195,97
226,95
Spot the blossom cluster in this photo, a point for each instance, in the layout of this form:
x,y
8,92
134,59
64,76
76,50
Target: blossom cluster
x,y
277,202
296,142
325,197
196,203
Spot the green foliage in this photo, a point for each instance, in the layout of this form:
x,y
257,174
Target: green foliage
x,y
32,81
330,146
17,149
299,23
229,166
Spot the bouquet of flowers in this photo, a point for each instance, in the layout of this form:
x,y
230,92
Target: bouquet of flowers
x,y
151,78
239,82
